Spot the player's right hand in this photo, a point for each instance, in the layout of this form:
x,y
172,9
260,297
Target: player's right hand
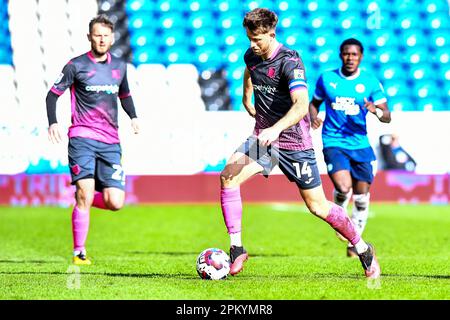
x,y
54,135
316,122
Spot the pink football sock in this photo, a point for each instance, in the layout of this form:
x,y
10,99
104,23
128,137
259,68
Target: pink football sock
x,y
230,199
99,202
340,221
80,228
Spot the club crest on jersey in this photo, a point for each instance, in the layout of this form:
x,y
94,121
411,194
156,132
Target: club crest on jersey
x,y
271,72
115,73
299,74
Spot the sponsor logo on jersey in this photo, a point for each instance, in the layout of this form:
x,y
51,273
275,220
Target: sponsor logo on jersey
x,y
333,84
347,105
106,88
264,88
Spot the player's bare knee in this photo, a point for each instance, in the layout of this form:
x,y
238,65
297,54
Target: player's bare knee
x,y
115,204
343,190
227,179
84,199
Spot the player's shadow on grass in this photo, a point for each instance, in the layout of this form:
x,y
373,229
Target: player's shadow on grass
x,y
178,276
180,253
30,261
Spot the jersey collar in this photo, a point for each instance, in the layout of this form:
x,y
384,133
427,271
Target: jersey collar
x,y
274,54
92,58
356,75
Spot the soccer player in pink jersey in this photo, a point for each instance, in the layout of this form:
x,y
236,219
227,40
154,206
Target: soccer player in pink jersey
x,y
275,75
96,79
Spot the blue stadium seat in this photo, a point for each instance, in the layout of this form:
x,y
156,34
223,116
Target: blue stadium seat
x,y
172,19
294,39
439,39
421,71
438,20
347,6
416,54
174,37
198,5
230,21
444,73
412,38
203,19
233,55
208,57
316,6
147,54
233,37
177,54
442,55
431,104
141,20
408,21
425,89
354,32
391,71
433,6
287,5
318,22
169,5
405,5
209,37
252,4
401,103
140,6
290,20
394,88
142,37
349,21
229,7
386,55
327,40
382,39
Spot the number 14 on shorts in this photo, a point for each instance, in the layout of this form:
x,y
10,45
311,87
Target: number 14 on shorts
x,y
303,171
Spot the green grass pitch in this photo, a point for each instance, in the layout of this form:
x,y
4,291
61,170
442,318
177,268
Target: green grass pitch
x,y
149,252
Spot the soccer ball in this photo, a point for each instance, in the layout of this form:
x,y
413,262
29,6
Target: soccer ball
x,y
213,264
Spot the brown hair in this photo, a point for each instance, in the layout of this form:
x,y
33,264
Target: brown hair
x,y
103,19
260,20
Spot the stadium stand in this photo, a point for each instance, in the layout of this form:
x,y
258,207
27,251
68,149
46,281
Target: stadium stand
x,y
407,44
406,41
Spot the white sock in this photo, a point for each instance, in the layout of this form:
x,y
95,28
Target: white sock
x,y
361,246
337,198
235,239
360,211
76,252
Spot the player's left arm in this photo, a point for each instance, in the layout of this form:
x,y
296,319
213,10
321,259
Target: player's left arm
x,y
381,110
127,103
298,110
377,104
